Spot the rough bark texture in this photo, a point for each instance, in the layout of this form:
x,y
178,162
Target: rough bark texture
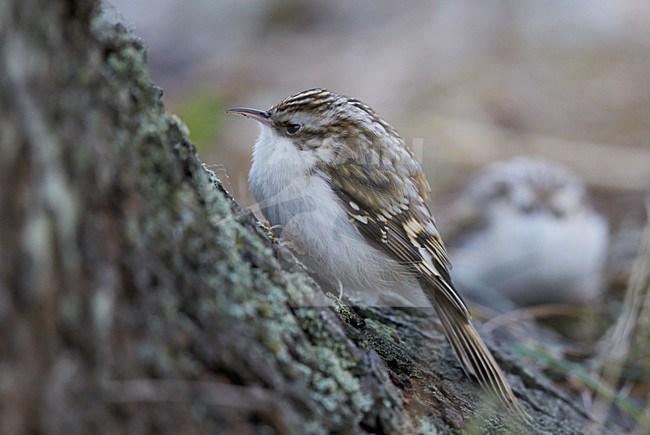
x,y
136,296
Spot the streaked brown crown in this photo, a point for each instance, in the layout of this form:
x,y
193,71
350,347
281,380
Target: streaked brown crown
x,y
531,185
332,108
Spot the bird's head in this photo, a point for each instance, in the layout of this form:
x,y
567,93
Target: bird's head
x,y
322,126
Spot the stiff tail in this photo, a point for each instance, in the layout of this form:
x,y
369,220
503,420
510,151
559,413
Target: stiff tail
x,y
475,357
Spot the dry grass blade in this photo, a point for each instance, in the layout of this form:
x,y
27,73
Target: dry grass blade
x,y
536,312
626,334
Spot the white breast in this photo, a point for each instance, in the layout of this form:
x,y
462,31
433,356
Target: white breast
x,y
294,195
536,258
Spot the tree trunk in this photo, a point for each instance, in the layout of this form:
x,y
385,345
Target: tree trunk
x,y
136,296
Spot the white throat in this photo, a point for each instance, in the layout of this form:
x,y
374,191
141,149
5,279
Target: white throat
x,y
280,175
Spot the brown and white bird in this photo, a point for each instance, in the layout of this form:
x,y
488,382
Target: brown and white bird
x,y
350,199
535,240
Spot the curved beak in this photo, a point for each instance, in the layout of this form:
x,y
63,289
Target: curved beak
x,y
257,115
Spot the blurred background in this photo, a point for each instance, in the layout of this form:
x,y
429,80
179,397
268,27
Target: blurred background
x,y
469,82
465,83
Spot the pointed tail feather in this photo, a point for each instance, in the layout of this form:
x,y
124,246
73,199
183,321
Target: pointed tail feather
x,y
475,357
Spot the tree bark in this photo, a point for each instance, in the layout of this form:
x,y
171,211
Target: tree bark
x,y
136,295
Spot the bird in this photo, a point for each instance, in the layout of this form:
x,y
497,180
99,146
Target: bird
x,y
530,236
351,202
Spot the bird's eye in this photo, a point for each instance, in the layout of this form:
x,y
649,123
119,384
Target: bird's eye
x,y
292,128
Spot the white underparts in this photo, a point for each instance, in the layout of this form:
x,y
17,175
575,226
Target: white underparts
x,y
299,199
